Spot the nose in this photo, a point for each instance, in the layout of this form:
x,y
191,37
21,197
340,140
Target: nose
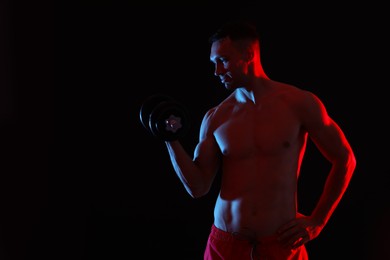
x,y
218,70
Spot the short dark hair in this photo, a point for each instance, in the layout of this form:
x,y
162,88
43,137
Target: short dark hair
x,y
236,30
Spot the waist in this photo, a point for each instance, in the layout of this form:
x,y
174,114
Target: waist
x,y
252,218
230,236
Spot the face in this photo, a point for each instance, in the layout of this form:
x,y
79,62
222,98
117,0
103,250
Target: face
x,y
230,66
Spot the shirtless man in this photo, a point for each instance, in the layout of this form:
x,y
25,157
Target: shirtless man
x,y
257,137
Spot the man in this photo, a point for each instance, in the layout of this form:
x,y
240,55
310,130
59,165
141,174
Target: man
x,y
257,138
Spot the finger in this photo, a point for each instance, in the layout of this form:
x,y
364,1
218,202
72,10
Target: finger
x,y
304,238
287,226
293,232
294,239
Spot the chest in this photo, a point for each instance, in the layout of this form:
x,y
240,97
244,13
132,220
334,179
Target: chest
x,y
267,130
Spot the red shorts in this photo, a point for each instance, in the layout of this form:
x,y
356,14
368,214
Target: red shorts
x,y
222,245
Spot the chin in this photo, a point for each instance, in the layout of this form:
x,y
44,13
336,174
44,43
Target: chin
x,y
230,87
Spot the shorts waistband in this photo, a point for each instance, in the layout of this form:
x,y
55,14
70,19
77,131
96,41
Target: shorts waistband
x,y
229,236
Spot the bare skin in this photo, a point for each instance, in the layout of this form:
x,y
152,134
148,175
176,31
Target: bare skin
x,y
257,137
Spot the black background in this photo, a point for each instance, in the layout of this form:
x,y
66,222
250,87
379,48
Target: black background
x,y
82,178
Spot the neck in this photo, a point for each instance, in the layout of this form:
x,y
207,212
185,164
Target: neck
x,y
253,91
258,71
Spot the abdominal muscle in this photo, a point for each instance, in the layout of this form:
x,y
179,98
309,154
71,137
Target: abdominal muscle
x,y
256,197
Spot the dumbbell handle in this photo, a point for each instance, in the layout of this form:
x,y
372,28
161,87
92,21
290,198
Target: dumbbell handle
x,y
173,123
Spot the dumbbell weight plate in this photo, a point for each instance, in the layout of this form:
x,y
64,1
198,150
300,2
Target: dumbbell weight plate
x,y
169,121
149,105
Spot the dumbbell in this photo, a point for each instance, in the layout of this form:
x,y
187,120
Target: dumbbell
x,y
164,117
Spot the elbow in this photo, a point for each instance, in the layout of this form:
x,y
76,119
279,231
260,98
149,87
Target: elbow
x,y
345,163
351,160
197,193
349,164
199,188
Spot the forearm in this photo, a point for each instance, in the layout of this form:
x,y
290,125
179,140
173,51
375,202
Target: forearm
x,y
185,168
334,189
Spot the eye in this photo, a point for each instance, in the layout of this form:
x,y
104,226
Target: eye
x,y
224,61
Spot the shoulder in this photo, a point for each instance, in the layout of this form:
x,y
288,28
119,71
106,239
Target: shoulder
x,y
215,115
297,97
308,107
223,107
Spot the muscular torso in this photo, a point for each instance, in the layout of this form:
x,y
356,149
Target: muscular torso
x,y
261,145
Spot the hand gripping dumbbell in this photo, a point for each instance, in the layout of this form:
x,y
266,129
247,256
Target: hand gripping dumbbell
x,y
164,117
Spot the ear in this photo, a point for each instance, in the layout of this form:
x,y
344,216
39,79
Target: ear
x,y
249,54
